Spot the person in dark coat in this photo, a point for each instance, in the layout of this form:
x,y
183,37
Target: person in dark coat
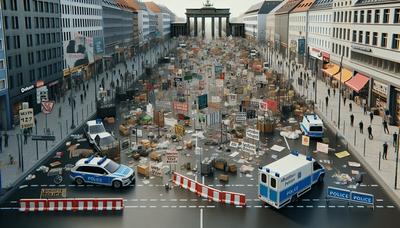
x,y
329,92
385,150
385,126
371,116
351,120
395,139
365,109
326,101
351,107
370,136
361,125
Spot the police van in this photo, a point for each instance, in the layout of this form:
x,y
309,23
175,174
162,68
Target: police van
x,y
284,180
312,126
102,171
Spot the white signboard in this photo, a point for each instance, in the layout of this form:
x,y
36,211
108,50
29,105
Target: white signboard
x,y
215,99
233,144
249,147
241,117
156,169
253,134
232,98
322,147
171,157
139,133
26,119
42,94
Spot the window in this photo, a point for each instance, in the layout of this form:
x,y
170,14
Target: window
x,y
375,38
354,35
386,13
396,16
384,40
396,41
377,16
10,81
355,19
32,77
273,182
263,178
367,35
362,16
369,16
20,80
360,36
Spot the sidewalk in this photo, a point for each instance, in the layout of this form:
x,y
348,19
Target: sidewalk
x,y
354,138
60,127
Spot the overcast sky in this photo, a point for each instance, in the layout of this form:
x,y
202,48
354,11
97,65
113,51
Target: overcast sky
x,y
178,6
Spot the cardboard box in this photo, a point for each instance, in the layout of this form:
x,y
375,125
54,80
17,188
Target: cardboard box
x,y
155,156
223,177
143,170
232,168
220,164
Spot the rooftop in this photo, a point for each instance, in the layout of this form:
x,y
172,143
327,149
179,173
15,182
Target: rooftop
x,y
303,6
288,6
263,7
287,164
375,2
322,4
153,7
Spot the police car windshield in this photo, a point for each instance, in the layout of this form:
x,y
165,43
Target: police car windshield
x,y
106,141
95,129
112,166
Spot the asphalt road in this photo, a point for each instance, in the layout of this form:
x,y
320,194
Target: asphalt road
x,y
148,204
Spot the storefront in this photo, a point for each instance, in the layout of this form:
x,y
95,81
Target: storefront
x,y
315,62
334,74
27,94
359,86
379,97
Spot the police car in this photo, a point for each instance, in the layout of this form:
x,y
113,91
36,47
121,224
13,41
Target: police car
x,y
93,128
102,171
312,126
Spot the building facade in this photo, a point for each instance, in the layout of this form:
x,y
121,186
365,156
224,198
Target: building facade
x,y
255,19
5,114
82,24
33,50
298,22
319,35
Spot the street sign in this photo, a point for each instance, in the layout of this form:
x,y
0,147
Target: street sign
x,y
180,106
305,140
43,137
249,147
351,196
241,117
253,134
202,101
215,99
171,157
26,119
47,107
338,193
179,130
42,94
156,169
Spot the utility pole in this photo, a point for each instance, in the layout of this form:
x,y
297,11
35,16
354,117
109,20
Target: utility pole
x,y
397,160
340,88
72,101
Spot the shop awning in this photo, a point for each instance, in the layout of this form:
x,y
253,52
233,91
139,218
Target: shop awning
x,y
332,69
357,82
346,75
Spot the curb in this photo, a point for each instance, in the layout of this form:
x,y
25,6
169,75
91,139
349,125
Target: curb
x,y
358,155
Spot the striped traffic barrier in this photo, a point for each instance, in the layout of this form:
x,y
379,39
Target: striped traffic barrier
x,y
71,204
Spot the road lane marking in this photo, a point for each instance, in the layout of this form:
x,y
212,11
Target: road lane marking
x,y
131,206
182,206
331,206
390,206
305,199
34,185
152,200
250,185
153,206
300,206
321,206
379,200
341,206
173,200
143,199
165,206
309,206
315,199
193,200
23,186
290,206
162,200
257,206
212,206
201,206
192,206
143,206
374,185
360,206
183,200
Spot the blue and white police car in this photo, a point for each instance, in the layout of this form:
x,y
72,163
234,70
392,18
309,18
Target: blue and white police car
x,y
312,126
102,171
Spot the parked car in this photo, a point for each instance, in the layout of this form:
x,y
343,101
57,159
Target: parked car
x,y
102,171
93,128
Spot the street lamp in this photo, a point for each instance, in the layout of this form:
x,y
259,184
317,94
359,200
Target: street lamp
x,y
340,88
72,100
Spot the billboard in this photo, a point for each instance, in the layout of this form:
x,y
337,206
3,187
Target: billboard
x,y
78,51
302,46
98,45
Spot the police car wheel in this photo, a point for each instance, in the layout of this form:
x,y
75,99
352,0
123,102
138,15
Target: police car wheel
x,y
79,181
117,184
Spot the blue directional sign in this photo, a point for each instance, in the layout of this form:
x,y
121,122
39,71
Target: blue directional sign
x,y
360,197
338,193
202,101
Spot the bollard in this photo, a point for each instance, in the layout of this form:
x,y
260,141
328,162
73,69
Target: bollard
x,y
364,145
355,137
379,164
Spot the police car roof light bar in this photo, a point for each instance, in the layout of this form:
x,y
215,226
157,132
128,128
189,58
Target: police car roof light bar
x,y
89,159
295,153
101,161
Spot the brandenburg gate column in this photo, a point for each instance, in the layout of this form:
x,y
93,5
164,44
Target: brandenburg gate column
x,y
203,21
212,27
195,26
188,25
227,26
220,26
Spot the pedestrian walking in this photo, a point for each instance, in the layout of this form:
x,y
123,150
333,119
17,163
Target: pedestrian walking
x,y
74,102
344,100
395,139
385,150
351,120
361,125
25,137
351,107
334,92
370,136
87,86
313,85
84,94
59,112
371,116
365,109
5,139
329,92
326,101
385,126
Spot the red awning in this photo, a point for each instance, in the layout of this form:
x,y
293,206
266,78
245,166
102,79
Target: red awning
x,y
357,82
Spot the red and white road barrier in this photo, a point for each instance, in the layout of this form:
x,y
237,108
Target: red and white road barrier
x,y
207,192
72,204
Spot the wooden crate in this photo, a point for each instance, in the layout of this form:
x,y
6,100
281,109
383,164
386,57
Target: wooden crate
x,y
143,170
223,177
